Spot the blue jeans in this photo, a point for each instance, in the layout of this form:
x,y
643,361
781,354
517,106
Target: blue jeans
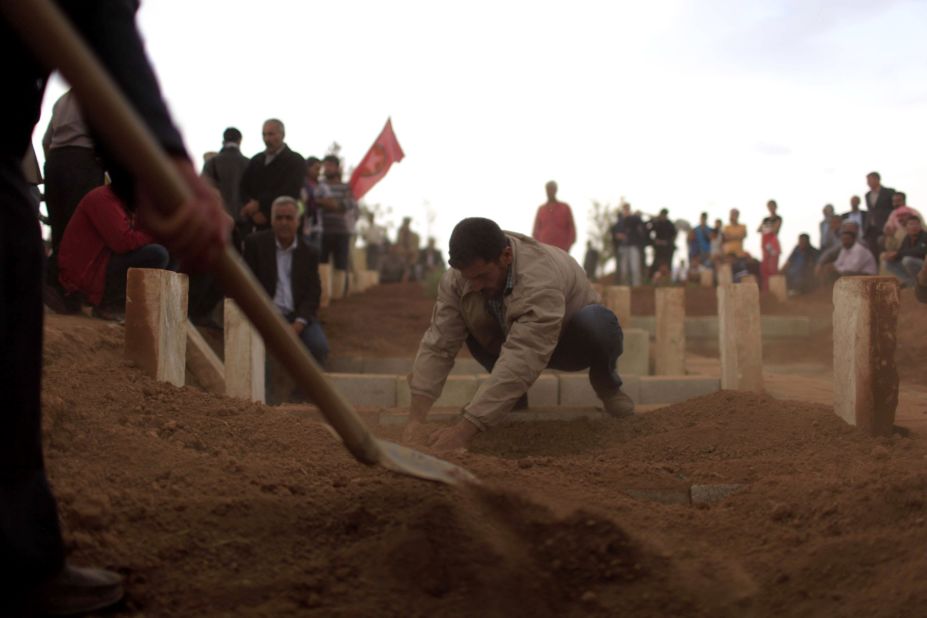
x,y
149,256
906,269
591,340
313,337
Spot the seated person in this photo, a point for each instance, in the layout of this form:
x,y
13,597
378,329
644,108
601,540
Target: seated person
x,y
100,244
799,268
828,254
908,259
288,269
853,259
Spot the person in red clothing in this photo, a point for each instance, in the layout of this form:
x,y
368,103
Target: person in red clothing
x,y
100,245
553,223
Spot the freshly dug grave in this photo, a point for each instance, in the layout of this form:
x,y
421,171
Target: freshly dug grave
x,y
214,507
389,320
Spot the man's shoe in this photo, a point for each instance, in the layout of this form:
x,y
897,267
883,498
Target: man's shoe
x,y
77,590
107,313
58,302
618,405
522,403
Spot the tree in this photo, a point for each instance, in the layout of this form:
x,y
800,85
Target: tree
x,y
601,219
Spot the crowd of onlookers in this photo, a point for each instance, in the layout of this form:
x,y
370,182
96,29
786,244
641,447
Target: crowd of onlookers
x,y
287,215
281,202
888,236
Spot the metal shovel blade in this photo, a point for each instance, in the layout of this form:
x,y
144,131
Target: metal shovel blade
x,y
405,460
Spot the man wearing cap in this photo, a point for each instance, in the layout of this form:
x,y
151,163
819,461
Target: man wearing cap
x,y
854,258
520,306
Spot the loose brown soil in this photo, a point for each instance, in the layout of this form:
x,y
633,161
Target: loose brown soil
x,y
215,507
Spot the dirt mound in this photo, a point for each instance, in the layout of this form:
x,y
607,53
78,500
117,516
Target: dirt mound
x,y
216,507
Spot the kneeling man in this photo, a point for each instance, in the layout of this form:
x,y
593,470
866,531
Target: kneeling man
x,y
520,306
288,269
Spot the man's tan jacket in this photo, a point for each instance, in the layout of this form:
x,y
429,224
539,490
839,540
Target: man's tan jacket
x,y
548,288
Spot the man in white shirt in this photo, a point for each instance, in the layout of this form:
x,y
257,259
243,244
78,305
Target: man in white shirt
x,y
853,259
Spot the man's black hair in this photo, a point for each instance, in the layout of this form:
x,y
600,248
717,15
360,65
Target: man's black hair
x,y
904,196
231,135
332,159
805,236
875,175
312,160
473,239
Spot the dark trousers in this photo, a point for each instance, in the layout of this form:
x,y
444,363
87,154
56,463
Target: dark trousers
x,y
591,340
335,248
149,256
71,172
30,540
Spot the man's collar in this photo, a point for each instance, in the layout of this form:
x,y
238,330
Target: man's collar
x,y
282,248
230,145
276,152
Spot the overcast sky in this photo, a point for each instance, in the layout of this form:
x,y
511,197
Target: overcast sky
x,y
689,105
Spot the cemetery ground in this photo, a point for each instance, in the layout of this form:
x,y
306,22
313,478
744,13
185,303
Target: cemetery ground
x,y
729,504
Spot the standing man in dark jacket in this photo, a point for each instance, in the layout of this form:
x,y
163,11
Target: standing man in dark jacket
x,y
662,233
226,169
879,202
270,174
288,269
34,577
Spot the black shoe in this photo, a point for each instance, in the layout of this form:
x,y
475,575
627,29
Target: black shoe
x,y
108,313
57,301
77,590
522,403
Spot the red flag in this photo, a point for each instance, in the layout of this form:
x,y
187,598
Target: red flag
x,y
384,152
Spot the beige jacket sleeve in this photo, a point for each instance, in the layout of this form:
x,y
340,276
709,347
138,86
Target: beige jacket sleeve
x,y
531,340
439,346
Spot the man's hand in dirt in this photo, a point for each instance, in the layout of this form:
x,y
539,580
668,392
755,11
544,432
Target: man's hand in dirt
x,y
199,229
416,433
454,438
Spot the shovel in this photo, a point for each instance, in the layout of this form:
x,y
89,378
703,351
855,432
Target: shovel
x,y
55,42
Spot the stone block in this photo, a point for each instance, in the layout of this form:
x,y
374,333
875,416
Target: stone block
x,y
618,299
545,392
673,389
635,360
244,356
345,364
203,363
576,391
325,279
725,274
368,389
778,288
670,353
339,284
466,365
457,392
748,279
740,337
865,375
155,327
706,278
